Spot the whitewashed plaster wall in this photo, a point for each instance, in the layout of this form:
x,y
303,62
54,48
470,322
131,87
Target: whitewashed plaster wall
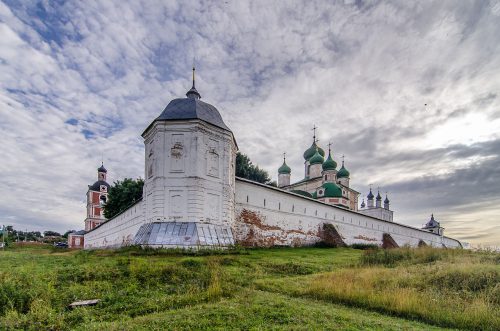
x,y
283,180
118,231
267,216
308,186
379,212
189,173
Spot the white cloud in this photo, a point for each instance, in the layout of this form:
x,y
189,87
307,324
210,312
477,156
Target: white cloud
x,y
362,72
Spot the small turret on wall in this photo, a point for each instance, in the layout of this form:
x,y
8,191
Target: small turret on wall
x,y
434,226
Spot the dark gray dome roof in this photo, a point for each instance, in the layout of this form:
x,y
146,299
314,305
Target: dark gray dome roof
x,y
101,168
192,108
370,195
97,185
432,223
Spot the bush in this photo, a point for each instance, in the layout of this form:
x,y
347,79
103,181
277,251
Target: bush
x,y
324,244
365,246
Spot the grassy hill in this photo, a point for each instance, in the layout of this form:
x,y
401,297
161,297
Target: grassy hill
x,y
282,288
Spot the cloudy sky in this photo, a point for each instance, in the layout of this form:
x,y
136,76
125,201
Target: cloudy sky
x,y
408,91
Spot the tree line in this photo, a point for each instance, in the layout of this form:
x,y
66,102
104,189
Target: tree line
x,y
10,235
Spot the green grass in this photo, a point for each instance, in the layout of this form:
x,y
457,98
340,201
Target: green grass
x,y
280,288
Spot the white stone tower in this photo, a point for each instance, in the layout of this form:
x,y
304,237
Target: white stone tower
x,y
190,165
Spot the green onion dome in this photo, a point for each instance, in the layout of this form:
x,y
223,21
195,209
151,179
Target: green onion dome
x,y
316,158
329,164
343,173
284,169
329,190
312,150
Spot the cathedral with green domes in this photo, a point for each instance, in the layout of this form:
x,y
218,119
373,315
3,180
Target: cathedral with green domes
x,y
322,180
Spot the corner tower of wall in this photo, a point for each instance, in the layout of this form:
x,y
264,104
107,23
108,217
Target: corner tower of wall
x,y
189,168
190,157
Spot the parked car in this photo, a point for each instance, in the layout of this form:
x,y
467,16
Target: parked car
x,y
61,245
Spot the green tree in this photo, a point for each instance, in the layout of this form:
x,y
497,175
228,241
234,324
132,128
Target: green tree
x,y
121,195
65,235
246,169
51,233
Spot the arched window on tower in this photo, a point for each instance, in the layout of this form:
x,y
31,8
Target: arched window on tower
x,y
102,200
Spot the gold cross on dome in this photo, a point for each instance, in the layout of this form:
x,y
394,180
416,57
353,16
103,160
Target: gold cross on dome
x,y
314,131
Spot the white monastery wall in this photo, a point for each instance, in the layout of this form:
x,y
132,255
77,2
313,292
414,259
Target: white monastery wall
x,y
267,216
118,231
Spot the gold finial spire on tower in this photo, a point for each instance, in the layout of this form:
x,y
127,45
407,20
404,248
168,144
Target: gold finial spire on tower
x,y
193,75
314,133
193,93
